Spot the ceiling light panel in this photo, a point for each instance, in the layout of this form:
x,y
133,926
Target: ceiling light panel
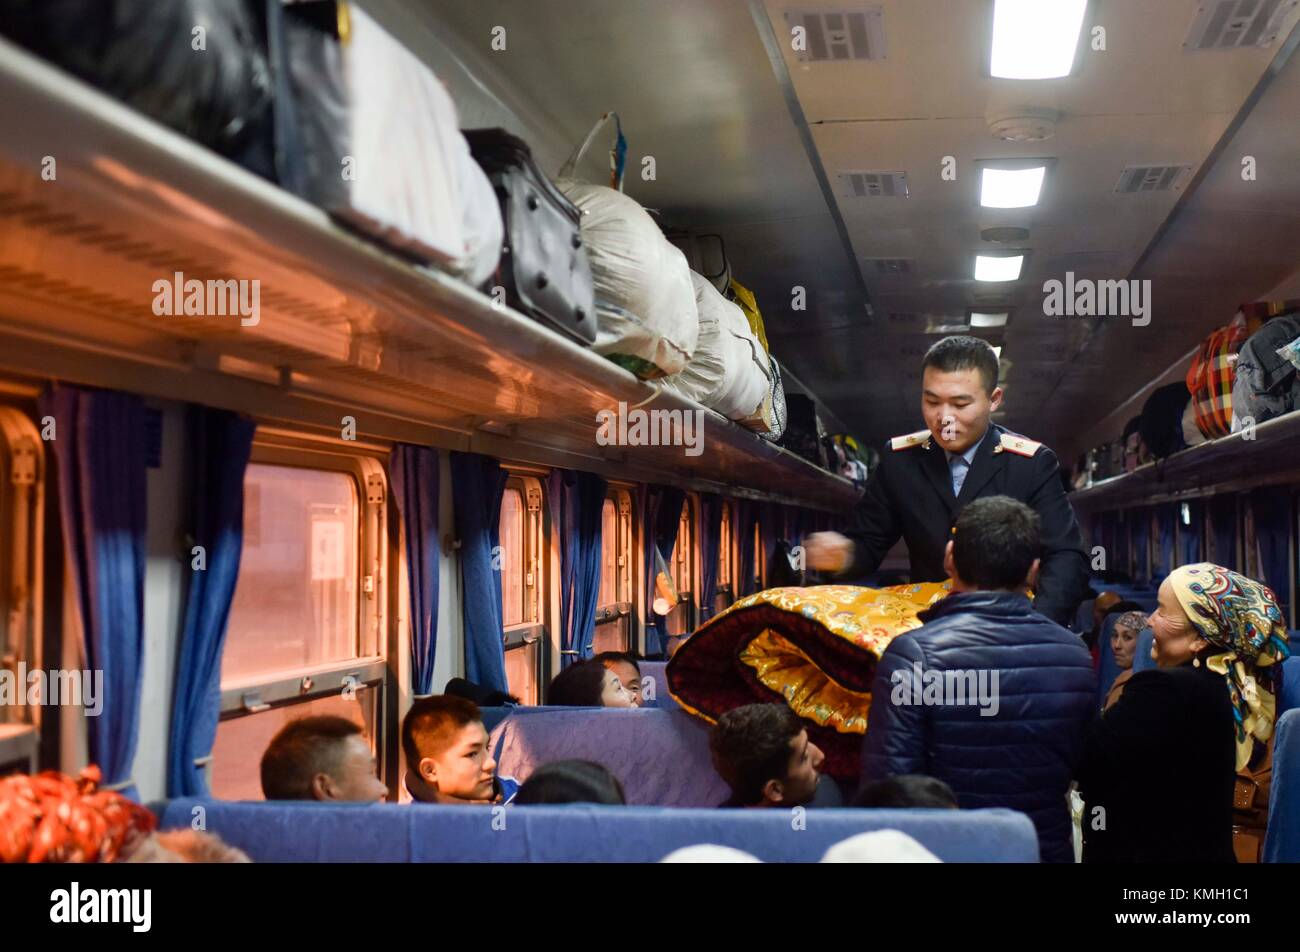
x,y
1035,39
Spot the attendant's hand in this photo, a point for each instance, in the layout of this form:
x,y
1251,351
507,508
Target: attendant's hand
x,y
828,552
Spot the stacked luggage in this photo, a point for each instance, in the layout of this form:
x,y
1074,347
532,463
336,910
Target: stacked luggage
x,y
1243,373
317,97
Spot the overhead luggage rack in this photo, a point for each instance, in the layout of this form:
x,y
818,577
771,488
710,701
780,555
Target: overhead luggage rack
x,y
99,204
1269,456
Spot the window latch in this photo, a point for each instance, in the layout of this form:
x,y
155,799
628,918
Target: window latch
x,y
253,703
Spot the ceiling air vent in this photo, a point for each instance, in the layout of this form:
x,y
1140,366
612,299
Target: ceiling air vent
x,y
838,35
1232,24
890,265
1150,178
874,184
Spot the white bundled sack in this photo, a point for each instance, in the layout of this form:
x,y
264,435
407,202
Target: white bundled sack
x,y
645,303
729,371
385,151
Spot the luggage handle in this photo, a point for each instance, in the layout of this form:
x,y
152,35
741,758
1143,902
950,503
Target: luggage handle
x,y
617,155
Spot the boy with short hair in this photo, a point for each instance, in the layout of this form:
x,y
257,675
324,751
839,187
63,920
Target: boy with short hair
x,y
447,758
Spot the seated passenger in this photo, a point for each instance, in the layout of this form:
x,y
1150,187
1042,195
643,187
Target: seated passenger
x,y
906,791
571,781
765,756
1123,644
446,748
1160,765
988,695
588,684
321,758
1101,607
624,665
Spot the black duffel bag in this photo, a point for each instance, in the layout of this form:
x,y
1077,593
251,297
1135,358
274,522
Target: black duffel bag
x,y
198,66
544,266
1161,423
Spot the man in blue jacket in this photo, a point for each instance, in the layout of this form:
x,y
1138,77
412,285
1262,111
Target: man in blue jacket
x,y
988,695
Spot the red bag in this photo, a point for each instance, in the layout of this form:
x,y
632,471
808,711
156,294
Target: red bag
x,y
1210,378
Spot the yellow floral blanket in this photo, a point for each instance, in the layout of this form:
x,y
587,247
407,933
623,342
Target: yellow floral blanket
x,y
816,648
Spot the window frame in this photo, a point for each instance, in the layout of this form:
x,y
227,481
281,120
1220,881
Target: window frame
x,y
726,560
688,523
254,695
23,523
533,630
611,613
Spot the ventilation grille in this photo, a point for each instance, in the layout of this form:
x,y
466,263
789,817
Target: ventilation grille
x,y
1150,178
890,265
1232,24
837,36
874,184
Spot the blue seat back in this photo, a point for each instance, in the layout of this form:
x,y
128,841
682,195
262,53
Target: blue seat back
x,y
427,833
1107,669
1288,697
1083,616
660,756
1282,841
654,671
1142,660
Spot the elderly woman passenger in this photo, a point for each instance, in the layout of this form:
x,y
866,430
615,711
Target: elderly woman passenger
x,y
1159,766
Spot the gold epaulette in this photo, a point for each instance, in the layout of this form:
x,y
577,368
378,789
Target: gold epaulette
x,y
912,439
1017,444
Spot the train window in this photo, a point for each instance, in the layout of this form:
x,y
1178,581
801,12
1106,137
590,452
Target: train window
x,y
304,635
680,620
22,484
724,593
513,508
295,604
760,559
522,586
613,629
237,753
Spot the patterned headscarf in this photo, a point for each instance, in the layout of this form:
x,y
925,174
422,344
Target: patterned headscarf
x,y
1242,617
53,818
1132,621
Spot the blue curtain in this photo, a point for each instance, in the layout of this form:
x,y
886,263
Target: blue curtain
x,y
1117,557
746,515
1223,529
1271,507
710,544
1189,535
220,444
100,448
416,484
661,515
1165,516
576,501
1141,528
477,484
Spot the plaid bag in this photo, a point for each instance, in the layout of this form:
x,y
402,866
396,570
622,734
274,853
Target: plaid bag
x,y
1210,378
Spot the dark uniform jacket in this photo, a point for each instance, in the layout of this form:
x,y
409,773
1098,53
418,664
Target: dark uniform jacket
x,y
910,496
1020,751
1162,766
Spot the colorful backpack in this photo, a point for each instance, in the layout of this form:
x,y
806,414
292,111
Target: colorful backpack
x,y
1210,378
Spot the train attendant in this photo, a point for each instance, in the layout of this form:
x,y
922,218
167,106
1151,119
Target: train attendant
x,y
926,478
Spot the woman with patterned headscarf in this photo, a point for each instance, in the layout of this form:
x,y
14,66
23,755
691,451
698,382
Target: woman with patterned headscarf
x,y
1160,765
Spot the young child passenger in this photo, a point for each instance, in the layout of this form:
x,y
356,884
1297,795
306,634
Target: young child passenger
x,y
624,666
765,756
588,684
321,758
446,747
